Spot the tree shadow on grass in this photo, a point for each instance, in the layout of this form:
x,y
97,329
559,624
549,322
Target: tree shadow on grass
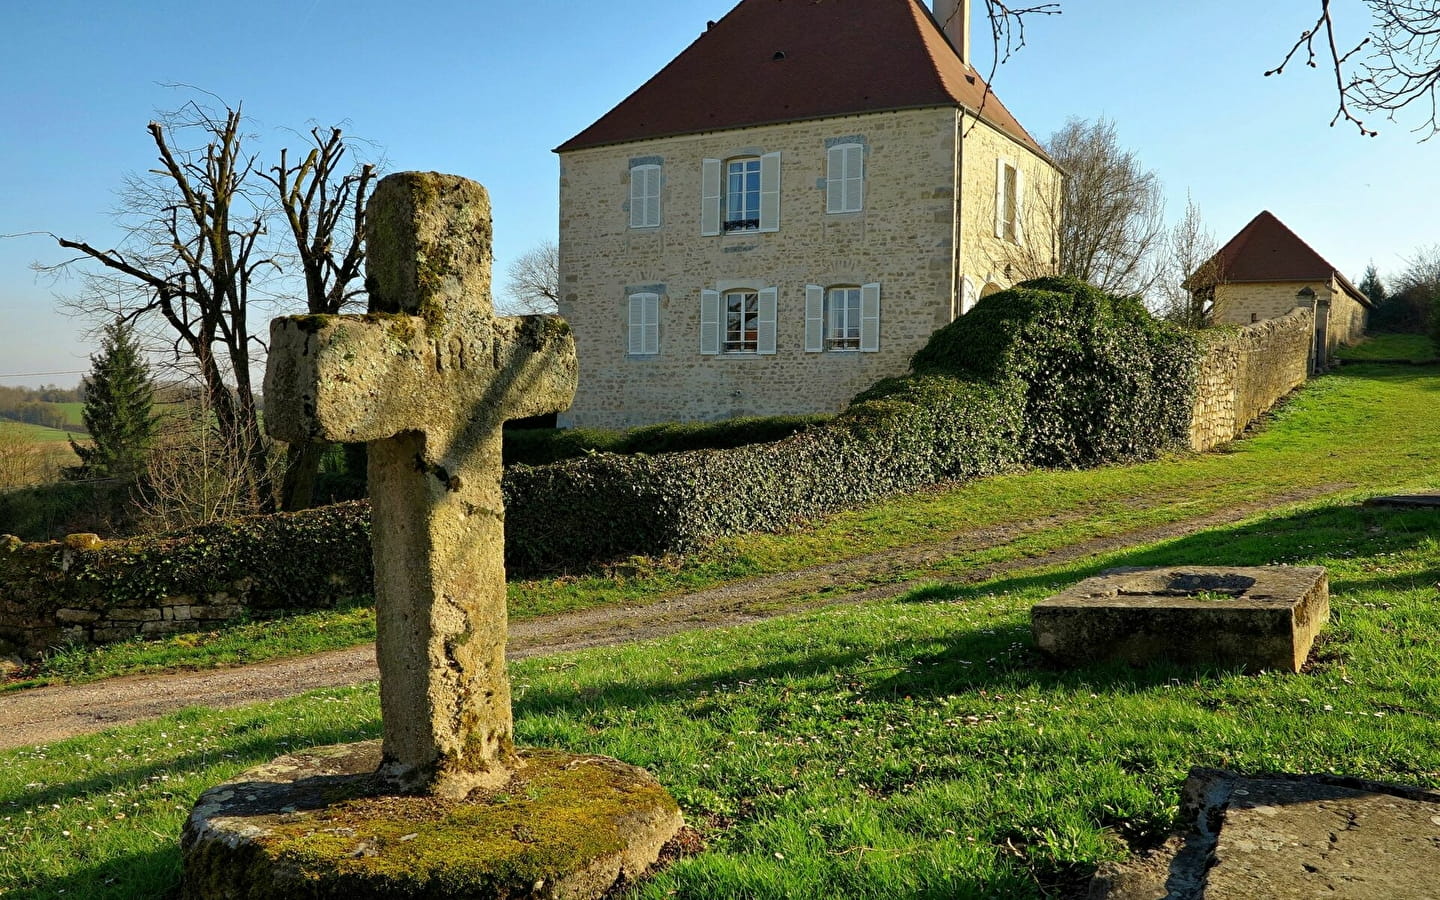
x,y
249,752
153,874
1004,655
1304,538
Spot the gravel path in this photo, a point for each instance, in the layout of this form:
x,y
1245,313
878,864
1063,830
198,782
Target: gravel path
x,y
45,714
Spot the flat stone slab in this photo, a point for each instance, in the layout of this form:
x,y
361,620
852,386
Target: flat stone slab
x,y
318,825
1255,618
1289,837
1407,501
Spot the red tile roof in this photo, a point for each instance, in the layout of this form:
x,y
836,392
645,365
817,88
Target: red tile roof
x,y
1266,250
770,61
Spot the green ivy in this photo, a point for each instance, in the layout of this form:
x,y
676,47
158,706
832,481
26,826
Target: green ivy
x,y
1052,372
607,506
306,560
541,446
1103,380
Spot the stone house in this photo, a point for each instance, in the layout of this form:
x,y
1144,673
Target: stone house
x,y
1267,270
785,213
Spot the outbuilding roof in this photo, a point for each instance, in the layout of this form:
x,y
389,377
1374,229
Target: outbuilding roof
x,y
771,61
1267,250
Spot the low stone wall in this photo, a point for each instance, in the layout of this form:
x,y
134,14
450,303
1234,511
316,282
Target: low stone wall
x,y
86,591
1244,371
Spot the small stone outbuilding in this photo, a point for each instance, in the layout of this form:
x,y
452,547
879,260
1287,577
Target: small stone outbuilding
x,y
1266,270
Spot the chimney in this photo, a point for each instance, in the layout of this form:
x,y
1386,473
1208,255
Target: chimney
x,y
954,18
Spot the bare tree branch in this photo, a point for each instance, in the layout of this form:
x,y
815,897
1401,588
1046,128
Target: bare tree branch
x,y
1396,65
1345,87
534,282
1007,36
1112,217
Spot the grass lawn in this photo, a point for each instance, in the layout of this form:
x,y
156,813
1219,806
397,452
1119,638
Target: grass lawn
x,y
1411,347
913,748
1373,428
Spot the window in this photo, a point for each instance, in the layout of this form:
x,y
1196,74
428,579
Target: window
x,y
645,196
845,178
742,322
967,295
739,321
1009,202
842,318
740,194
644,336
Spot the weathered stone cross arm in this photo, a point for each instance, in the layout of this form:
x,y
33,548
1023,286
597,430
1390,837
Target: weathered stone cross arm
x,y
356,379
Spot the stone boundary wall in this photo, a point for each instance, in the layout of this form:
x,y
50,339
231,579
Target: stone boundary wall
x,y
1245,371
87,591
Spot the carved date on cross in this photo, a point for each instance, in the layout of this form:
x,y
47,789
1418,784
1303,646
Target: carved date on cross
x,y
427,379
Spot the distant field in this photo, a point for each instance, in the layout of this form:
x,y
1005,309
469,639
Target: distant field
x,y
74,413
38,434
30,454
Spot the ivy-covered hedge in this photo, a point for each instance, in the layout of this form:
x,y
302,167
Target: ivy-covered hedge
x,y
607,506
541,446
1053,372
1103,380
310,559
86,591
1050,373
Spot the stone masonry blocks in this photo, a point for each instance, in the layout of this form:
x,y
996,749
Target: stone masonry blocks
x,y
1258,618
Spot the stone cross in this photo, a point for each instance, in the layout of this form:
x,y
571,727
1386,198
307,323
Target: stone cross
x,y
427,379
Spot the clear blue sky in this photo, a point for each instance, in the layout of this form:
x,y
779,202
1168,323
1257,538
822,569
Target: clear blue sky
x,y
485,89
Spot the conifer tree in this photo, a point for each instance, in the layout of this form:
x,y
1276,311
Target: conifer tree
x,y
119,409
1372,287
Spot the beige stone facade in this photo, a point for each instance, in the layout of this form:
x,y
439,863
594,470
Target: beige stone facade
x,y
927,226
1240,303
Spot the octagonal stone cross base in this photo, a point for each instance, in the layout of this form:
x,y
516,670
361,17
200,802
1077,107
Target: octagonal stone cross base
x,y
1258,618
317,825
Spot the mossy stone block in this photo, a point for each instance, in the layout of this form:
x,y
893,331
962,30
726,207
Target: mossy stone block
x,y
319,824
1259,618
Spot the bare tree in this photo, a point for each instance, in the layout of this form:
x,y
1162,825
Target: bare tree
x,y
323,201
1192,270
22,462
533,287
1417,290
194,262
196,474
1395,65
191,257
1112,215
